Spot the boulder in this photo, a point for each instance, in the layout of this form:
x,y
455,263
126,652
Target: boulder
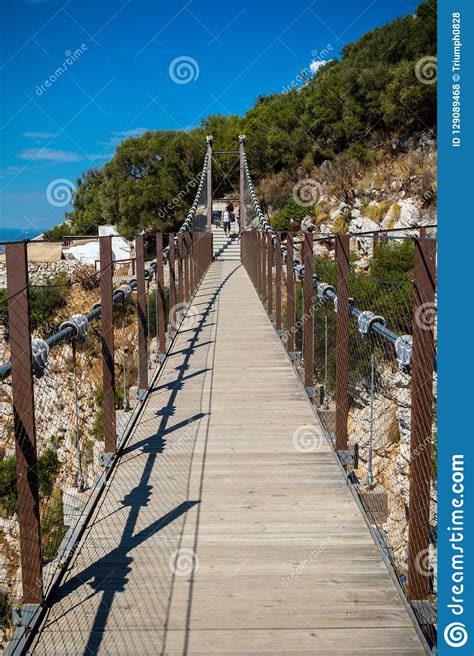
x,y
409,214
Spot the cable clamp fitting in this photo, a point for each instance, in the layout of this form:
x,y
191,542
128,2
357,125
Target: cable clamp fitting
x,y
149,272
323,292
299,269
350,303
40,352
366,321
78,322
126,291
403,350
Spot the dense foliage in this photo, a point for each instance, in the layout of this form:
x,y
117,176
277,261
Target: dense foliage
x,y
48,469
372,92
386,291
45,300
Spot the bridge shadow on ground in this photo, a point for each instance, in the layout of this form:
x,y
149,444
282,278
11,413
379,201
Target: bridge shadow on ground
x,y
119,583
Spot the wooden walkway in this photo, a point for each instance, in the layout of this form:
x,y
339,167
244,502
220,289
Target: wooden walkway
x,y
227,527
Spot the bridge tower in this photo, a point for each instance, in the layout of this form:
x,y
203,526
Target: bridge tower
x,y
242,182
209,181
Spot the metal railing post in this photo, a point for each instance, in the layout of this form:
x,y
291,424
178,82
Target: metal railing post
x,y
107,321
278,283
142,316
180,269
160,296
342,340
269,249
192,263
209,182
187,273
308,315
24,423
423,354
242,183
172,270
290,297
257,263
202,264
263,273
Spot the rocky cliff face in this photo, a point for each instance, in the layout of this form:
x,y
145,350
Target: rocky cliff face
x,y
41,272
387,498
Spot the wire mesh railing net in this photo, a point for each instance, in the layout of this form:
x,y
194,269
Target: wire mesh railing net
x,y
67,402
393,469
68,408
324,326
380,431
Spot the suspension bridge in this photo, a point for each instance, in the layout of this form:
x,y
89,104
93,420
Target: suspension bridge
x,y
230,501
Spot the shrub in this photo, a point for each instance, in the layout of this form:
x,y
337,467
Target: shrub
x,y
360,153
98,425
290,217
58,232
45,300
340,224
48,469
8,486
322,218
393,261
373,212
52,526
5,611
395,211
394,432
86,276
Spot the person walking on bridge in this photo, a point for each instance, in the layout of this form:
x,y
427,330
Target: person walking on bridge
x,y
226,221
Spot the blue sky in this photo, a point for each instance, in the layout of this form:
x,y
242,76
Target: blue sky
x,y
118,78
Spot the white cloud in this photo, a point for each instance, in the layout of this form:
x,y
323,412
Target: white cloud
x,y
136,132
61,156
40,135
316,64
50,155
118,137
10,170
101,155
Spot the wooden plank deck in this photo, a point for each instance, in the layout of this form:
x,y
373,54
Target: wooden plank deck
x,y
227,527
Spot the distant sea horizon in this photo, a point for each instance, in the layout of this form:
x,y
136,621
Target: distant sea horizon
x,y
17,234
